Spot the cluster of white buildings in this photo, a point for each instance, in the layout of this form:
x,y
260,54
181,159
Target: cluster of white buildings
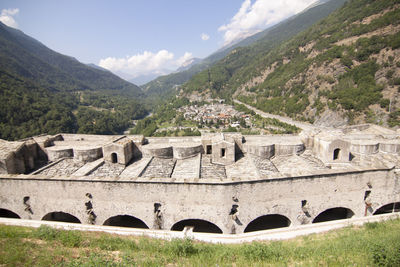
x,y
213,113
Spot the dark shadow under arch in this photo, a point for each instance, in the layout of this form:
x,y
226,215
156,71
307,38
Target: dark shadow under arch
x,y
200,226
114,158
336,154
388,208
8,214
333,214
125,221
60,216
271,221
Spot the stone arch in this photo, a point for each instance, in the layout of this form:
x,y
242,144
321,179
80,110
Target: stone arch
x,y
336,153
266,222
114,157
388,208
59,216
4,213
198,225
332,214
125,221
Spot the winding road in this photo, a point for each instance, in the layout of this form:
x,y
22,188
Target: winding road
x,y
302,125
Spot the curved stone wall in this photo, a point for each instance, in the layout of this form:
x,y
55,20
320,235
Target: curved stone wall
x,y
55,153
88,154
289,149
390,147
366,148
262,151
158,151
187,151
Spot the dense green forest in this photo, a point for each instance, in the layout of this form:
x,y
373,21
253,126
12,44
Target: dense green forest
x,y
29,110
42,91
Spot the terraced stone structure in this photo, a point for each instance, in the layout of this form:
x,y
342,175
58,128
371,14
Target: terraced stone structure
x,y
218,183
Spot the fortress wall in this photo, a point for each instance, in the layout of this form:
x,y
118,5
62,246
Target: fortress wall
x,y
55,153
389,147
89,154
289,149
211,202
263,151
158,152
366,149
183,152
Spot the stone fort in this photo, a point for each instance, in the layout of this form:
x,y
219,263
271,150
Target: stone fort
x,y
215,183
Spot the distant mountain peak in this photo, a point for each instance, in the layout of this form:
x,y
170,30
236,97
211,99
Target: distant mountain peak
x,y
188,63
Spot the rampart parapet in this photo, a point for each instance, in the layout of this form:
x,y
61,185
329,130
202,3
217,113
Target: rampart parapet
x,y
217,182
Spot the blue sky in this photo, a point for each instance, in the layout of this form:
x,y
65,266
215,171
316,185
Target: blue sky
x,y
135,37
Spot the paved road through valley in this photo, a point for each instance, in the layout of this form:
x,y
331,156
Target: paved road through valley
x,y
302,125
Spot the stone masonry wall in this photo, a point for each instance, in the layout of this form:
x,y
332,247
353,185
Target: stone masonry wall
x,y
210,202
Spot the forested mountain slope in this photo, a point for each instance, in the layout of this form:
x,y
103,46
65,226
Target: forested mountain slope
x,y
266,40
344,69
42,91
27,58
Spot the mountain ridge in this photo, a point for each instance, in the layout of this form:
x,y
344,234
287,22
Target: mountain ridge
x,y
167,84
28,53
317,72
43,91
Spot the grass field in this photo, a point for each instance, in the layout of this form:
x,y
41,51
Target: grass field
x,y
375,244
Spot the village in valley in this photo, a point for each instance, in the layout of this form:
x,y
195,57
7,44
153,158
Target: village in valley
x,y
215,115
218,114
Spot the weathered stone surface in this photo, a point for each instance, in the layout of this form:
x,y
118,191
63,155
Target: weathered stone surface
x,y
302,177
159,168
107,170
64,167
210,170
187,168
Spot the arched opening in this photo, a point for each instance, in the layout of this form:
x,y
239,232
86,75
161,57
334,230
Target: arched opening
x,y
333,214
266,222
200,226
389,208
8,214
60,217
223,153
336,153
125,221
114,158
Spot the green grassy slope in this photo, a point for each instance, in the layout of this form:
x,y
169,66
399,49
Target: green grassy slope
x,y
375,244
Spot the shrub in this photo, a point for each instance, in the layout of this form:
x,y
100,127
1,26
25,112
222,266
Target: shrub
x,y
113,243
67,238
182,247
70,238
261,252
384,103
45,232
389,74
384,255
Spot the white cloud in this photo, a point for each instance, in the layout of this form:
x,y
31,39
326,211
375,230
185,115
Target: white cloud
x,y
205,36
183,59
252,18
7,17
145,63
